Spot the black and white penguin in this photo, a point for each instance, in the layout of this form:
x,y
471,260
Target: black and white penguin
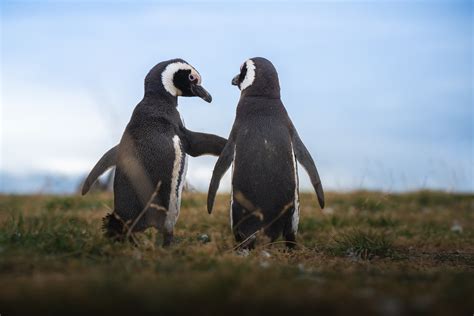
x,y
151,156
264,148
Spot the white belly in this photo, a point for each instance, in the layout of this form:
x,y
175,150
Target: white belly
x,y
296,214
232,188
180,166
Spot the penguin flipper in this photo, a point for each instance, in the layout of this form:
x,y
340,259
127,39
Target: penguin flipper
x,y
304,157
108,160
201,143
222,164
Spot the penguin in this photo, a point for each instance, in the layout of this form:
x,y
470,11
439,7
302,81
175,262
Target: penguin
x,y
150,159
264,149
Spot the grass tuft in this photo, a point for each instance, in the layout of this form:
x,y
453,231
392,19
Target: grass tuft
x,y
365,245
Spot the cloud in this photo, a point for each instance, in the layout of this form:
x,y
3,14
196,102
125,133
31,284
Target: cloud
x,y
381,93
47,129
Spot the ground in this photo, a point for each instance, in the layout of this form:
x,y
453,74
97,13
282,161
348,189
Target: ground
x,y
367,253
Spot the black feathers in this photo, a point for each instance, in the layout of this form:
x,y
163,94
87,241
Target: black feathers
x,y
182,82
263,148
153,150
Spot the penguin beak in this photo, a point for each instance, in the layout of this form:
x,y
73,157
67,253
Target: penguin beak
x,y
235,80
199,91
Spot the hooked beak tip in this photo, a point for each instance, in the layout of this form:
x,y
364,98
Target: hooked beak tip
x,y
199,91
235,81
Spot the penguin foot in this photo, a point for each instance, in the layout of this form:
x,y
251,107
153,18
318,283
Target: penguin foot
x,y
290,240
167,239
113,227
245,242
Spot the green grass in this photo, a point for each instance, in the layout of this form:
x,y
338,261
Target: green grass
x,y
365,245
368,252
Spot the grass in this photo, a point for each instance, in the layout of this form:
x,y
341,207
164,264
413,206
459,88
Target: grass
x,y
364,245
367,252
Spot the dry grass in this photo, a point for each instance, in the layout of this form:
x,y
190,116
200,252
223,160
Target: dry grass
x,y
368,252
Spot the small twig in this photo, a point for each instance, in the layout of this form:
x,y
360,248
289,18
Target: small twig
x,y
283,211
244,241
152,197
247,205
106,207
125,227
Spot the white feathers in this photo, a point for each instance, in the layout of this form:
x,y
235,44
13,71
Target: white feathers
x,y
231,188
181,184
168,75
176,187
249,76
296,214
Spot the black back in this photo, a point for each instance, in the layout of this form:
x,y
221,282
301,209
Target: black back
x,y
146,153
264,171
264,147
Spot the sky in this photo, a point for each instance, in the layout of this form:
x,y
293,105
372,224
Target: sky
x,y
381,92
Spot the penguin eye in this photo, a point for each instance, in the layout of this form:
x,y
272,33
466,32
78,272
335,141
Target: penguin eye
x,y
192,77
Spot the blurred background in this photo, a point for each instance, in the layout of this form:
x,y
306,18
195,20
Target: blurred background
x,y
381,92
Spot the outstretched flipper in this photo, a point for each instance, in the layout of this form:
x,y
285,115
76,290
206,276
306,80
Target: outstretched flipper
x,y
198,144
203,144
304,157
222,164
108,160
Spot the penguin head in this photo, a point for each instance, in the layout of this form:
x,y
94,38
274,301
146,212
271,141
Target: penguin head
x,y
175,77
258,77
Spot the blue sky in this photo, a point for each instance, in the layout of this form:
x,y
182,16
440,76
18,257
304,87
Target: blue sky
x,y
380,92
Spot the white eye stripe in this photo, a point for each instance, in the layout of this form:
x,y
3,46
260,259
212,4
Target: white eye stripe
x,y
249,76
168,75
